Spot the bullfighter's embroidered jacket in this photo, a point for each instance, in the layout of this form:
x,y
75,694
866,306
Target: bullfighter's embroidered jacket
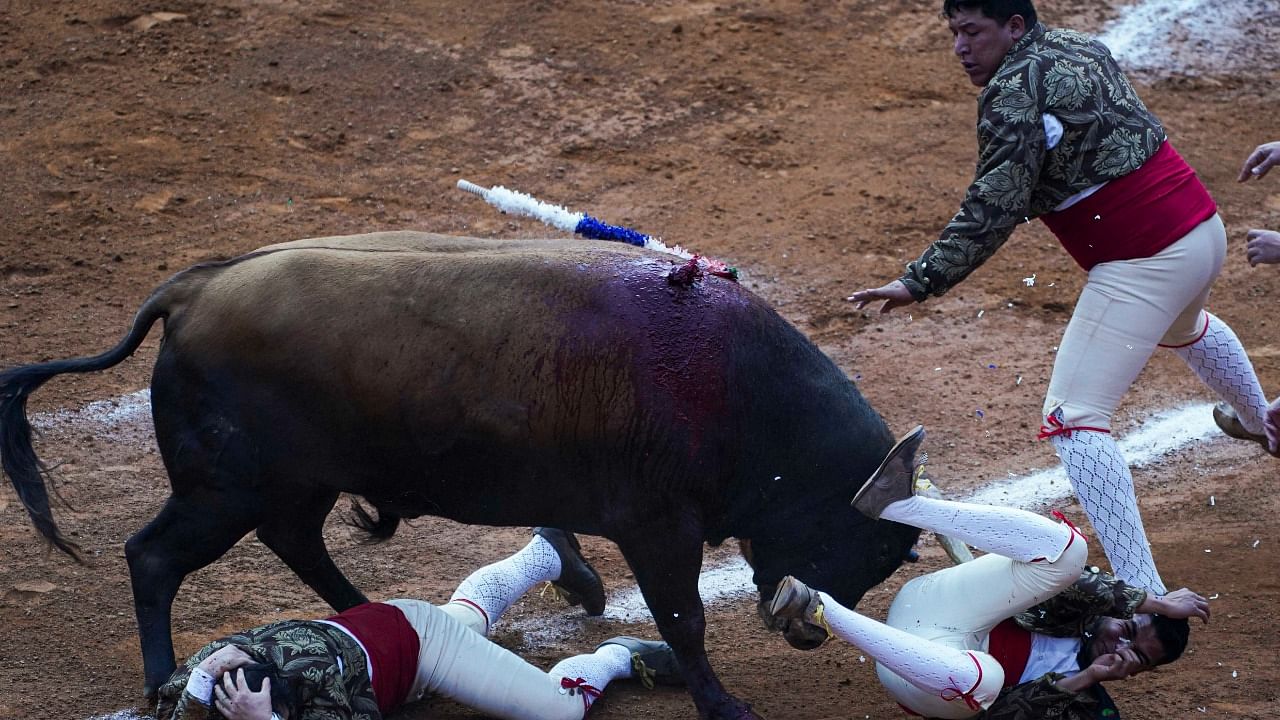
x,y
307,653
1107,133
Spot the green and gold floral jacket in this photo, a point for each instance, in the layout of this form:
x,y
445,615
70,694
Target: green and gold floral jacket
x,y
1068,614
305,652
1107,133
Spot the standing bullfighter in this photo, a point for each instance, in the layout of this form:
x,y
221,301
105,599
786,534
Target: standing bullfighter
x,y
1063,137
369,660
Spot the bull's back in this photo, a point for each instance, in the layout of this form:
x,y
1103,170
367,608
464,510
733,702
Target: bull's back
x,y
514,358
404,314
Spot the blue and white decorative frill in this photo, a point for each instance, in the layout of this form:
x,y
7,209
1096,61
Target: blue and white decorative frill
x,y
514,202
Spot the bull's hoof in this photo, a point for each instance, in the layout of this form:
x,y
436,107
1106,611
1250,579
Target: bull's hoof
x,y
732,709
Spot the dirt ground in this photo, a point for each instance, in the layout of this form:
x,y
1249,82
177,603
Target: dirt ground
x,y
817,145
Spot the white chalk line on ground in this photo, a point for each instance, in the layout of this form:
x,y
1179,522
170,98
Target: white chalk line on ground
x,y
1162,433
1191,37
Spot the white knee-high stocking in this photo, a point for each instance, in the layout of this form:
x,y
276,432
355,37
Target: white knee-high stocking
x,y
590,674
930,666
1104,487
1013,533
1220,361
492,589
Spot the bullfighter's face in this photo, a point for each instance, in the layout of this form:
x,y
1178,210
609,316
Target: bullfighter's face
x,y
982,42
1110,634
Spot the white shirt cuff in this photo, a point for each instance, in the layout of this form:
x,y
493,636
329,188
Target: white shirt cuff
x,y
200,686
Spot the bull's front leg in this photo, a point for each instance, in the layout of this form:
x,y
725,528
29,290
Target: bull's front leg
x,y
666,557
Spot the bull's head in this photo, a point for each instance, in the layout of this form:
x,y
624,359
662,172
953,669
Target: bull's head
x,y
842,553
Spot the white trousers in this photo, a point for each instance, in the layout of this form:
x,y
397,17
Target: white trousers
x,y
959,606
1127,309
457,661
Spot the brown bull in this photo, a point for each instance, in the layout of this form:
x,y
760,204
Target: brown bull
x,y
560,383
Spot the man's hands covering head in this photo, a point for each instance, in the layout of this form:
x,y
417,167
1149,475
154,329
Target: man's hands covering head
x,y
237,702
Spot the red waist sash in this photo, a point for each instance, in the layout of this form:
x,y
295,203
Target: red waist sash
x,y
1136,215
1010,645
392,644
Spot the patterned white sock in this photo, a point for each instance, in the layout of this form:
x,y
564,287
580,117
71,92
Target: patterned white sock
x,y
608,663
1221,362
493,588
1006,531
930,666
1104,487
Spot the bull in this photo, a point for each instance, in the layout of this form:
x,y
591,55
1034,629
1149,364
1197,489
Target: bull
x,y
500,382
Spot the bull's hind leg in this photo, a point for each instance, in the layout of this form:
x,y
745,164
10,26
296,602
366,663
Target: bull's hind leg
x,y
666,557
189,533
295,534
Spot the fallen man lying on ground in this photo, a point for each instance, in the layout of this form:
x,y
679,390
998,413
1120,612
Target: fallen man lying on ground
x,y
1018,633
366,662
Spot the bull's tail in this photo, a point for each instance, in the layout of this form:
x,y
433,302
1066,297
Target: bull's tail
x,y
17,455
379,528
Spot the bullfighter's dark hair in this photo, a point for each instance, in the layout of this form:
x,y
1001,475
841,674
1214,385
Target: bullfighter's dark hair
x,y
1173,635
284,695
998,10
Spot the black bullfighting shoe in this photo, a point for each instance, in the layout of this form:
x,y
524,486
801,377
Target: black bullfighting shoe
x,y
579,583
793,600
895,479
1228,422
652,661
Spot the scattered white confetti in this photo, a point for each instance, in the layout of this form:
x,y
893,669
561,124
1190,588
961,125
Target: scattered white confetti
x,y
1097,217
1018,381
1256,543
1211,503
776,478
1052,284
1202,709
862,658
1010,304
937,369
1235,674
1213,596
980,312
1208,550
1030,281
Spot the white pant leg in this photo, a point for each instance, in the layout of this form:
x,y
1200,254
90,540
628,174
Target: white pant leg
x,y
957,607
463,665
1126,309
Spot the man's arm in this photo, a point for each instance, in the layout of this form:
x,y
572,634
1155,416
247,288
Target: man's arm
x,y
1011,152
